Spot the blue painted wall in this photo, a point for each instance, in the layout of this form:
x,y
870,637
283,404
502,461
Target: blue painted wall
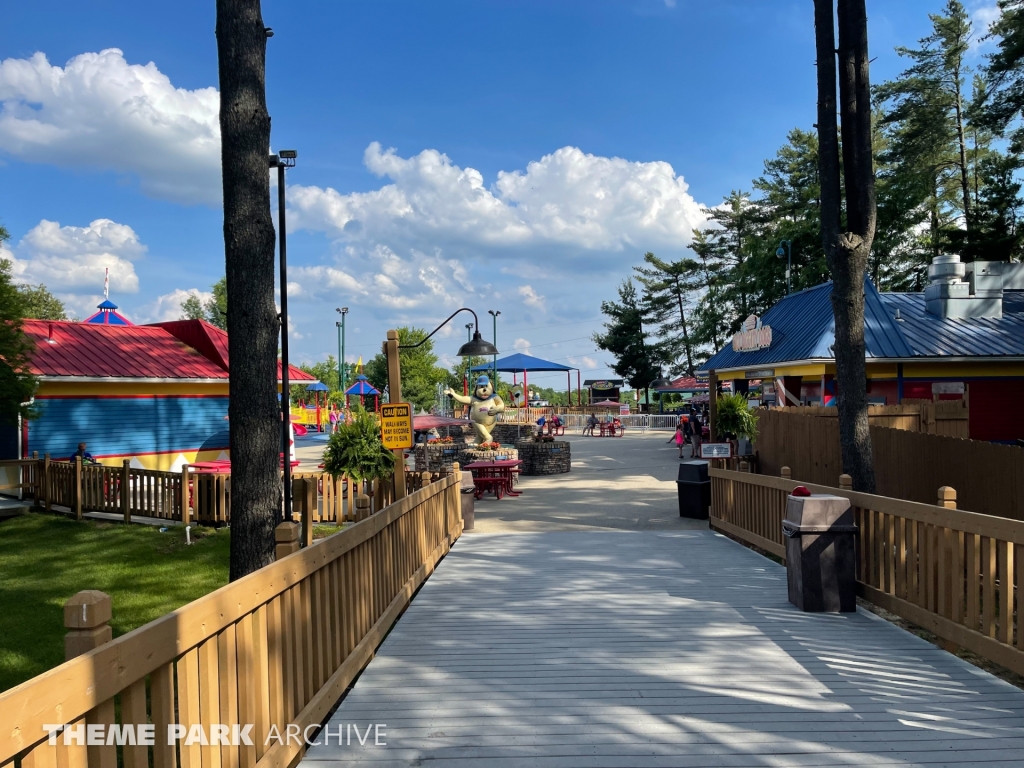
x,y
130,426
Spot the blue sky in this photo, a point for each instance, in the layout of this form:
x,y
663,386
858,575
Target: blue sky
x,y
518,156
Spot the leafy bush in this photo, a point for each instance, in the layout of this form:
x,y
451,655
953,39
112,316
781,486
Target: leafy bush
x,y
357,450
735,418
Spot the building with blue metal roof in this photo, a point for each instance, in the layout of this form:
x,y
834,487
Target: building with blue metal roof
x,y
961,338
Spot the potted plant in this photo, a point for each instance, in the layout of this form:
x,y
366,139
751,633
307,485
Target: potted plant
x,y
356,450
735,419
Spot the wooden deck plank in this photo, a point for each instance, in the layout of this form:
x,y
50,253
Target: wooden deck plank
x,y
656,649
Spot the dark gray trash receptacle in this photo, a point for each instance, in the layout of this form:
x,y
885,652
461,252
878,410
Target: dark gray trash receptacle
x,y
821,553
467,500
694,487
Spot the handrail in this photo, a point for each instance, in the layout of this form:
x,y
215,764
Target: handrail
x,y
956,573
274,648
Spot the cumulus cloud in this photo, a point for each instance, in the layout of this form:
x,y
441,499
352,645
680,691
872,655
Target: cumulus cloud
x,y
568,198
521,345
168,306
530,296
73,259
99,111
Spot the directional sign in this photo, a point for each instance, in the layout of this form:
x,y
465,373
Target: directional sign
x,y
396,425
715,450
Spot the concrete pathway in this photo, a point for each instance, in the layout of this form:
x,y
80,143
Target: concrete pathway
x,y
669,647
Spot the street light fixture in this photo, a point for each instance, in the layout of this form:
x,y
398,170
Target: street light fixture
x,y
341,345
658,383
475,347
788,253
282,160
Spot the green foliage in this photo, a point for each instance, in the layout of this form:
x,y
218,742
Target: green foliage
x,y
40,304
214,310
17,384
357,449
637,360
420,372
670,290
734,417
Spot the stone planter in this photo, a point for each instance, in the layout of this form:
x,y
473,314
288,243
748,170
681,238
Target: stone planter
x,y
546,458
508,434
436,457
470,454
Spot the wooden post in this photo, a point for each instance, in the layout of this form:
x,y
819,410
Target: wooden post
x,y
78,488
845,483
184,494
126,507
395,396
947,497
787,473
46,481
86,616
363,506
713,405
286,535
744,466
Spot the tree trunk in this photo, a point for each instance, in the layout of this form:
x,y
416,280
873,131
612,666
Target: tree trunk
x,y
965,183
847,253
686,334
253,326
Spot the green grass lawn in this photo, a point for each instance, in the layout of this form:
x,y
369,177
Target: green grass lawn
x,y
45,559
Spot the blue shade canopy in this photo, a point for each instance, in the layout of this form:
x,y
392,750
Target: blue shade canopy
x,y
362,386
317,386
519,362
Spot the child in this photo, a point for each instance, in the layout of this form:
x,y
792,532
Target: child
x,y
680,439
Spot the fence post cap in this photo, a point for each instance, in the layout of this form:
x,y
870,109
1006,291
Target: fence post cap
x,y
786,472
362,500
88,609
946,493
285,532
392,335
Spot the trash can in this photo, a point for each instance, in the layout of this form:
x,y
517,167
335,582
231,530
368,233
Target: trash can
x,y
821,553
467,500
694,488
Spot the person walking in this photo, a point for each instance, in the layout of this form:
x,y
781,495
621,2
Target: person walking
x,y
333,418
680,439
698,431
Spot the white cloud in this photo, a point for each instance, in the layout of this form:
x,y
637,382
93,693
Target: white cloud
x,y
568,198
530,297
584,362
99,111
168,306
982,17
521,345
73,259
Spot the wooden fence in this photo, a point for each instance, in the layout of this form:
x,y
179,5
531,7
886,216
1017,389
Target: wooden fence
x,y
131,492
958,574
19,476
276,648
989,477
943,417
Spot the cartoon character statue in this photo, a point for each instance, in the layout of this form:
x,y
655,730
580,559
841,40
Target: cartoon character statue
x,y
484,407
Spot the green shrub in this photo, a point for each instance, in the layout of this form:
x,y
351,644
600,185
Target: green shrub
x,y
735,418
357,450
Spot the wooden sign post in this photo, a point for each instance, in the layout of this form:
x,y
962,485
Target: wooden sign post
x,y
395,397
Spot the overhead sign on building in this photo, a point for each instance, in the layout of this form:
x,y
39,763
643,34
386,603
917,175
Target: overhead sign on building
x,y
396,425
753,336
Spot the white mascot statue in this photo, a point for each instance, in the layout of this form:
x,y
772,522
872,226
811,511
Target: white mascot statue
x,y
484,407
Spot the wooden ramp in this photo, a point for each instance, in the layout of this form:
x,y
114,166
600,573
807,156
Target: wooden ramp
x,y
671,649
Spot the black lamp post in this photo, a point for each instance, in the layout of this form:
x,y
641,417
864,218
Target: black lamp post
x,y
284,159
788,253
658,383
477,346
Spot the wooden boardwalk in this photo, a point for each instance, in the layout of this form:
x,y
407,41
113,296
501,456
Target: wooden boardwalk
x,y
648,648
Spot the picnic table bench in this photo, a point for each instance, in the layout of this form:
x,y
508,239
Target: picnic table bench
x,y
494,476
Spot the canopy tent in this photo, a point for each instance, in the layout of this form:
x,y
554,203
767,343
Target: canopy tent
x,y
363,387
520,363
607,404
426,421
685,384
318,386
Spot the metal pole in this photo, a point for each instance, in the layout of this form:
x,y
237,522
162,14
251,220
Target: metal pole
x,y
341,358
343,376
286,416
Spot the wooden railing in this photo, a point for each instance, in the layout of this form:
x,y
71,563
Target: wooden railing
x,y
958,574
274,649
131,492
19,475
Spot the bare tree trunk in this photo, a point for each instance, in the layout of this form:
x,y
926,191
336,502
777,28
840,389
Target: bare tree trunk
x,y
847,253
686,334
253,328
965,183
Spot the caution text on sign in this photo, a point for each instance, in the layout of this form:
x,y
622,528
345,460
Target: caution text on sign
x,y
396,425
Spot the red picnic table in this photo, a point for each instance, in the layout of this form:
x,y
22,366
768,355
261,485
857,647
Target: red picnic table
x,y
611,429
496,476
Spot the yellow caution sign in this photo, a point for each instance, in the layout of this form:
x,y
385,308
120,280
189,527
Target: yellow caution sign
x,y
396,425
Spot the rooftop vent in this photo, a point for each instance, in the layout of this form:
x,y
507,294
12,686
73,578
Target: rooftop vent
x,y
948,295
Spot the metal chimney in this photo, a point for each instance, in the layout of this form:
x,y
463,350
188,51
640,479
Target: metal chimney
x,y
948,295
